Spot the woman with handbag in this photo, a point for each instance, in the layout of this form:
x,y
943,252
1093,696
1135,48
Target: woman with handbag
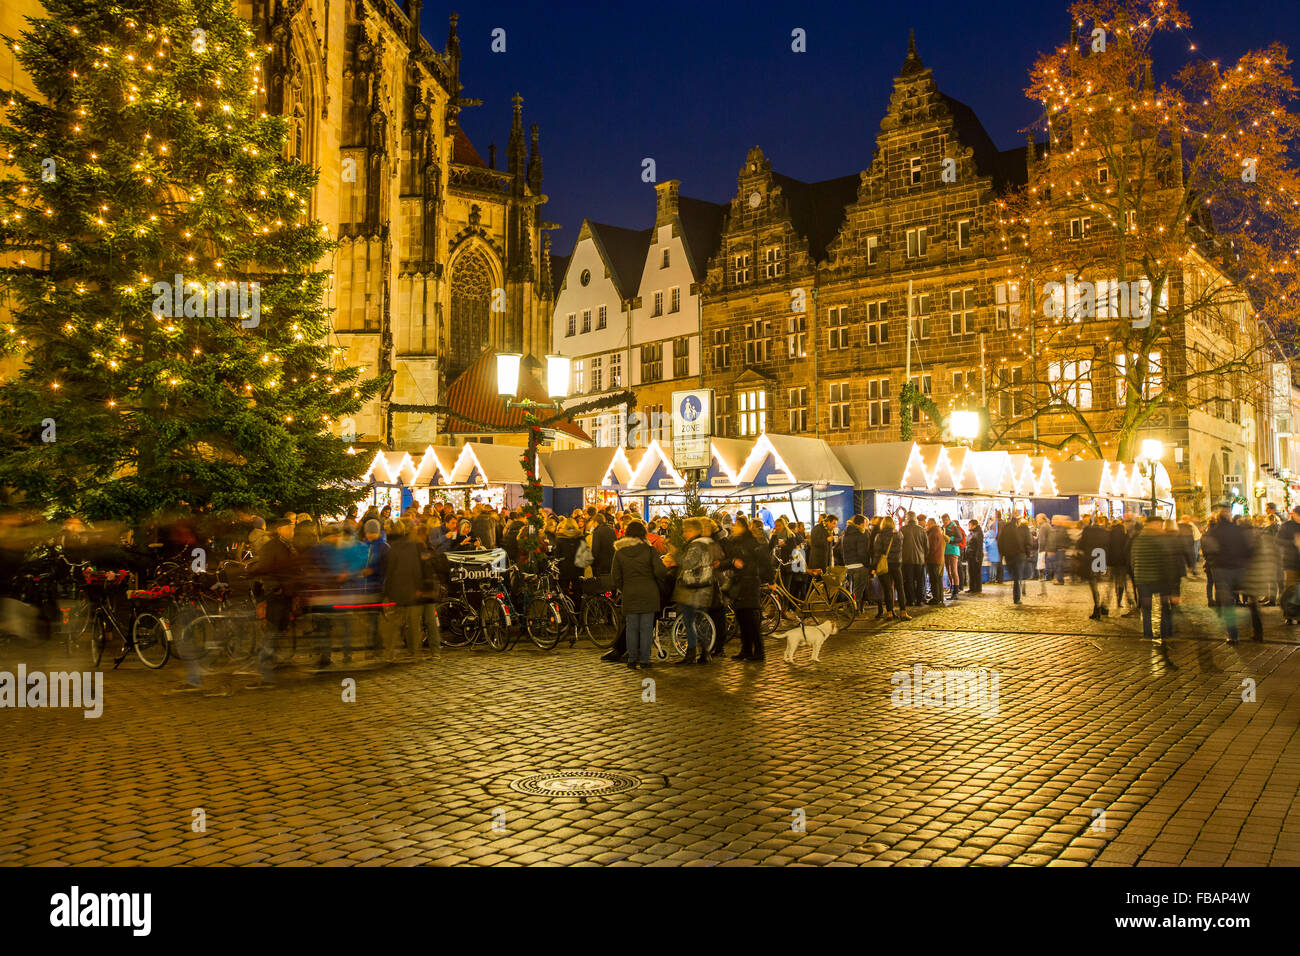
x,y
887,558
750,567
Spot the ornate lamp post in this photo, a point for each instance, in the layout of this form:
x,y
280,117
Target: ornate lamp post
x,y
1153,449
557,386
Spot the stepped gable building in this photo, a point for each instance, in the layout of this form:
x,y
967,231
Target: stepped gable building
x,y
627,313
806,302
441,253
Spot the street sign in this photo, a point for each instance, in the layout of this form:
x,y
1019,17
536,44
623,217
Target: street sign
x,y
692,428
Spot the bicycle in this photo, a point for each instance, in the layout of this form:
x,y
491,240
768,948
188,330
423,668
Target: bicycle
x,y
464,624
827,599
145,631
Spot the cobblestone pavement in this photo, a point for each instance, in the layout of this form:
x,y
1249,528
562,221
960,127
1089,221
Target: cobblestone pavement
x,y
1104,749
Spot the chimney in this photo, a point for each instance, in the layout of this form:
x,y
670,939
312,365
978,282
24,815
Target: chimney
x,y
666,201
492,155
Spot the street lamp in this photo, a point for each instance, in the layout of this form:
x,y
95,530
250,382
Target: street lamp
x,y
1153,449
557,387
964,425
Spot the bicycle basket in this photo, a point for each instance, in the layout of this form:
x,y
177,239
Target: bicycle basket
x,y
834,577
100,584
159,592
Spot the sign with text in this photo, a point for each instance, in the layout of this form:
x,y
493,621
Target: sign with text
x,y
692,427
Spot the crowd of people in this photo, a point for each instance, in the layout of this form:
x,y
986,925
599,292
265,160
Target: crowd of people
x,y
399,564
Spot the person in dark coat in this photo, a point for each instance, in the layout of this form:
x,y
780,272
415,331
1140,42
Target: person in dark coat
x,y
975,558
637,573
819,545
751,566
914,547
567,539
1288,546
602,545
1157,570
403,585
510,537
279,567
857,550
484,526
1013,546
1117,561
888,544
1094,541
1230,545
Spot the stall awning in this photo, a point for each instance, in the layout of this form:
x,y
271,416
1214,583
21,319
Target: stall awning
x,y
391,468
479,463
587,468
436,465
885,466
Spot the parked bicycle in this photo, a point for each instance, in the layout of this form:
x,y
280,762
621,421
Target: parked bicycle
x,y
142,630
827,599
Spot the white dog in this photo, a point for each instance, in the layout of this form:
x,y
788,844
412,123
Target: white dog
x,y
813,635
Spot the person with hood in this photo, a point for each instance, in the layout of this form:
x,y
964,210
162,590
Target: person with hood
x,y
567,539
258,536
637,573
1094,541
484,526
975,558
913,554
1013,546
694,592
751,566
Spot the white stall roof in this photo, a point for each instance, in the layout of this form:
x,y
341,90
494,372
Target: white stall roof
x,y
805,460
496,464
587,467
885,466
390,468
436,465
1044,477
1084,478
958,470
731,455
649,462
993,472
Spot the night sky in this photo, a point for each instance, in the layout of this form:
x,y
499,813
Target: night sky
x,y
695,85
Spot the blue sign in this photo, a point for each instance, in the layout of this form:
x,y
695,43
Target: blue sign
x,y
690,408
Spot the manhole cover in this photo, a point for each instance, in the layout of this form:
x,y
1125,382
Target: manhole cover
x,y
575,783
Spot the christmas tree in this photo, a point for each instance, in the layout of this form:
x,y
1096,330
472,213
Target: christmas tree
x,y
162,275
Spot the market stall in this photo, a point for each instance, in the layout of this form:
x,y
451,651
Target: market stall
x,y
391,475
800,478
587,476
489,474
432,474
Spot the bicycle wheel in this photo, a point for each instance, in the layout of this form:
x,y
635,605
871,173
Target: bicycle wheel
x,y
152,638
458,622
196,637
704,630
494,622
843,609
98,638
541,621
770,612
238,635
601,621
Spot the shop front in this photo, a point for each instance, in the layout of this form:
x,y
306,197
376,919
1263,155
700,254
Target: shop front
x,y
491,475
391,477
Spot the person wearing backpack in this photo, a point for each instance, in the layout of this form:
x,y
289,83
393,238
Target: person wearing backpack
x,y
695,583
637,571
568,542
